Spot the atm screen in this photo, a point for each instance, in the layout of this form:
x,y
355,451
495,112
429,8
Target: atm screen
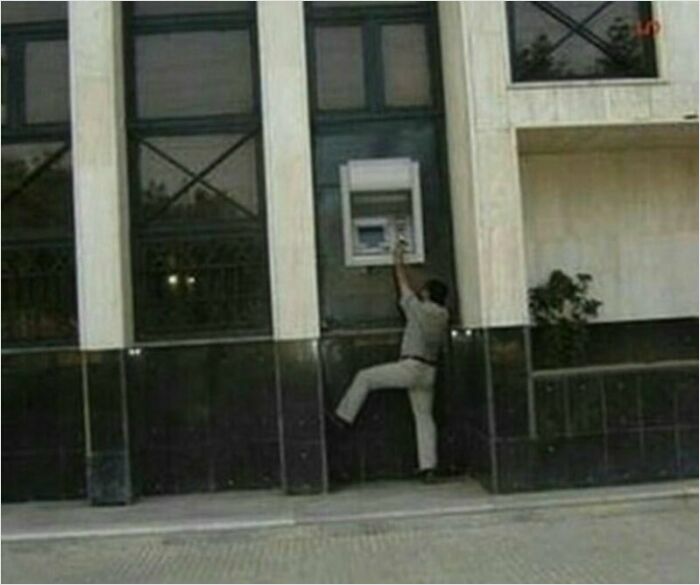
x,y
371,237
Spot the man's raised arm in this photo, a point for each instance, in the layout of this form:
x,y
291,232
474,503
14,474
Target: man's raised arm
x,y
400,272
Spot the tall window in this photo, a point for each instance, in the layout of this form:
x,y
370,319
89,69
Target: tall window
x,y
371,57
38,266
376,93
581,40
198,215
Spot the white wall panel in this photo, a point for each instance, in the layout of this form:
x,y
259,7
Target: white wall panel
x,y
628,217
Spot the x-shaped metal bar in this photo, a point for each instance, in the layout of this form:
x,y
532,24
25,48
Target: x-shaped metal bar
x,y
177,164
36,173
199,177
579,28
580,24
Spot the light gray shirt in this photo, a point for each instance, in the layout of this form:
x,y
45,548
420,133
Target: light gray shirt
x,y
426,324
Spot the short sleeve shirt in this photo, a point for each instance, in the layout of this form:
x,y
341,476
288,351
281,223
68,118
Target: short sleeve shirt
x,y
426,324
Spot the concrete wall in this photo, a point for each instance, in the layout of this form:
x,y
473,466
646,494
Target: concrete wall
x,y
628,217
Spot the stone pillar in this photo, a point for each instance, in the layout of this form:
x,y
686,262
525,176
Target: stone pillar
x,y
484,176
488,230
292,243
102,241
458,113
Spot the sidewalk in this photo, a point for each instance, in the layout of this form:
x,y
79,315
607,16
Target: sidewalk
x,y
251,510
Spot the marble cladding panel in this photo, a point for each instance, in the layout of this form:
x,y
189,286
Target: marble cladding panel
x,y
299,394
43,438
204,418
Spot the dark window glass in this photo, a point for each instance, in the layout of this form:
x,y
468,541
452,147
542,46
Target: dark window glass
x,y
194,285
194,73
36,190
46,78
396,61
25,12
228,193
406,73
199,249
38,266
5,85
370,57
340,79
38,269
581,40
361,4
167,7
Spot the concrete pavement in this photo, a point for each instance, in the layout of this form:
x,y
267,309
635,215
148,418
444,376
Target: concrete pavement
x,y
390,532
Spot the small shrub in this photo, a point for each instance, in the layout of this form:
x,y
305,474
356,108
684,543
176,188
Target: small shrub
x,y
562,307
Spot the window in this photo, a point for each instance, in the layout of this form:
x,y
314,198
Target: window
x,y
376,93
38,266
370,57
198,215
581,40
213,76
405,58
46,67
340,69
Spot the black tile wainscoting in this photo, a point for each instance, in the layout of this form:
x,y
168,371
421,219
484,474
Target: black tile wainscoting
x,y
629,342
43,439
608,425
205,416
381,444
300,399
628,412
109,466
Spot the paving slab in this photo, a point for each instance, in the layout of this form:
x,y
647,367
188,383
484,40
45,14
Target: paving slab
x,y
638,540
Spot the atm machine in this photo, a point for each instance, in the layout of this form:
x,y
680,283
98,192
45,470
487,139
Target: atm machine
x,y
381,204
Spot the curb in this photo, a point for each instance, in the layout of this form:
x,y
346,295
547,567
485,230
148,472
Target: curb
x,y
507,507
532,502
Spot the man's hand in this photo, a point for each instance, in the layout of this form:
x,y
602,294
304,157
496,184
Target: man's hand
x,y
398,252
400,269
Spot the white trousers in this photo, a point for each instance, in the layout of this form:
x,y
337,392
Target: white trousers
x,y
419,379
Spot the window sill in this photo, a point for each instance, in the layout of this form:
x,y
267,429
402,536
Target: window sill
x,y
621,368
578,83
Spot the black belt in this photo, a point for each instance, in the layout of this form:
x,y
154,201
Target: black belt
x,y
418,359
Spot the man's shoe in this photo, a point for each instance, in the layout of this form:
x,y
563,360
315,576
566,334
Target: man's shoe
x,y
428,476
336,421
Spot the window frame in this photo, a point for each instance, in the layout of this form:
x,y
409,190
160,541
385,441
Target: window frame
x,y
242,123
17,131
510,50
371,19
15,40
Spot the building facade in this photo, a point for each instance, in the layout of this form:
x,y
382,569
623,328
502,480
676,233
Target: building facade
x,y
178,313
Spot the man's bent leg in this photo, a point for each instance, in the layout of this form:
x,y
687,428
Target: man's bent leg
x,y
391,375
426,433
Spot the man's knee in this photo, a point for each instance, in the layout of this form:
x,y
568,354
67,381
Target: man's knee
x,y
361,377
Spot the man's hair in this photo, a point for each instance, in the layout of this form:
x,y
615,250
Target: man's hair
x,y
437,291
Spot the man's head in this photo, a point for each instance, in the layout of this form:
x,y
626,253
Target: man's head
x,y
434,290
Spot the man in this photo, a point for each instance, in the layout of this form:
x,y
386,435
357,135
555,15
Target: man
x,y
426,324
